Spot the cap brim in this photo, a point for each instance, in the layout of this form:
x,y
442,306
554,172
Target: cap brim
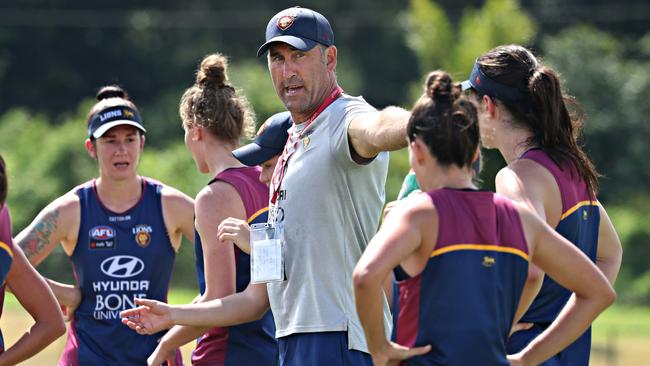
x,y
466,85
302,44
254,154
107,126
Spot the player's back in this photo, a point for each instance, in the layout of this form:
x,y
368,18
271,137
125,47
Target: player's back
x,y
579,224
463,302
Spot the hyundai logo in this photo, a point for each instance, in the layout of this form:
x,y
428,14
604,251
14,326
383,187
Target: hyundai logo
x,y
122,266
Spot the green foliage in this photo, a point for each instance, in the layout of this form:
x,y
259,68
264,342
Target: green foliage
x,y
43,161
498,22
438,44
430,34
252,77
613,89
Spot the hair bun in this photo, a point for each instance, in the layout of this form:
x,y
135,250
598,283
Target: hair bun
x,y
439,85
111,91
212,72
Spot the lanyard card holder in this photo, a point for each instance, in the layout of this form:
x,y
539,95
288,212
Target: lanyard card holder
x,y
267,255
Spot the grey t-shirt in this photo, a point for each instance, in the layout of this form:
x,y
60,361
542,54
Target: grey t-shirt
x,y
330,207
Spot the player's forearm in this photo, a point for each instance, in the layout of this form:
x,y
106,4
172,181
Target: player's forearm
x,y
64,293
574,319
180,335
39,336
238,308
368,293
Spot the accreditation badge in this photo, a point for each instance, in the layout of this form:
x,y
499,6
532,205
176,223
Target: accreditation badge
x,y
267,253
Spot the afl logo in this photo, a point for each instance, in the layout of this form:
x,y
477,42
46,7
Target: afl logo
x,y
142,235
102,233
285,21
122,266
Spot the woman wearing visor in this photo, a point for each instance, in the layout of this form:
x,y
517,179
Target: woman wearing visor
x,y
525,114
121,232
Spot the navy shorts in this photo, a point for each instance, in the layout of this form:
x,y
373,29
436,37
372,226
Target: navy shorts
x,y
576,354
320,349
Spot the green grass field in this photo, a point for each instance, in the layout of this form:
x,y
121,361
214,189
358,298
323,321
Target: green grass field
x,y
621,335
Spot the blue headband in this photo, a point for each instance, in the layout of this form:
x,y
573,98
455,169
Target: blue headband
x,y
107,118
484,85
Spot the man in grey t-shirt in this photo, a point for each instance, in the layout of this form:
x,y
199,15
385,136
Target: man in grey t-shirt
x,y
327,191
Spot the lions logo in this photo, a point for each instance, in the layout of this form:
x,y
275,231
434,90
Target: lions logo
x,y
142,235
488,261
286,20
127,113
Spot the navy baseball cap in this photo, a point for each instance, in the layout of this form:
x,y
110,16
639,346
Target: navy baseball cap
x,y
269,142
301,28
107,118
486,86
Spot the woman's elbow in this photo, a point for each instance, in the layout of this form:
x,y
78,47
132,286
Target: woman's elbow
x,y
54,328
610,296
362,278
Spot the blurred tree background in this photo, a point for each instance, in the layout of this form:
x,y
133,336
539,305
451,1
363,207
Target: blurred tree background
x,y
54,56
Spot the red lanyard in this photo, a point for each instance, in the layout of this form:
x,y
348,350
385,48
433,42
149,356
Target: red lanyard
x,y
283,162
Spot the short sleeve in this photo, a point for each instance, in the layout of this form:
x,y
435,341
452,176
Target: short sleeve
x,y
351,108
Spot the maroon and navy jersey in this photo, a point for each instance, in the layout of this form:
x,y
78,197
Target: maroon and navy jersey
x,y
579,224
118,257
6,257
250,343
463,303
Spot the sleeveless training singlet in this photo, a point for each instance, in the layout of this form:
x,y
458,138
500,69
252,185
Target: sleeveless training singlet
x,y
579,224
118,257
6,258
250,343
464,301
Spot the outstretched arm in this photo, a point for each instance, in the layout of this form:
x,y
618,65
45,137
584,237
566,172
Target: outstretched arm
x,y
153,316
372,133
174,338
35,296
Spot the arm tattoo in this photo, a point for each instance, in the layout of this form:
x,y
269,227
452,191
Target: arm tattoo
x,y
38,236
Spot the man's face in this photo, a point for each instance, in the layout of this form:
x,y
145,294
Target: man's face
x,y
302,79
